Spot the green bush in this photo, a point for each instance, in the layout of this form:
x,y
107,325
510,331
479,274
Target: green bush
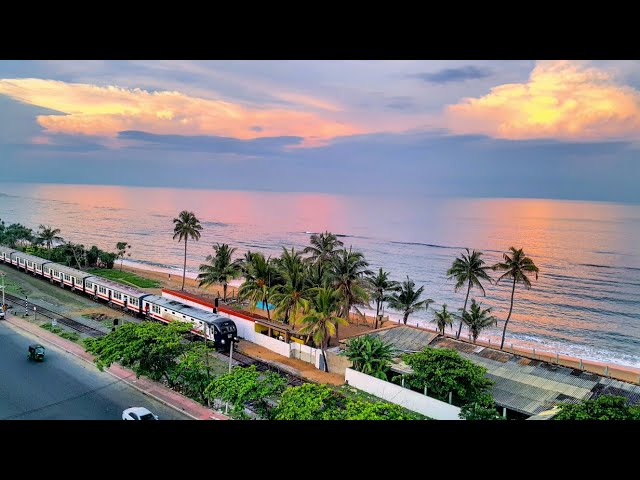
x,y
606,407
443,370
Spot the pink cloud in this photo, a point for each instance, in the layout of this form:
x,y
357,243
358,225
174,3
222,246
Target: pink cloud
x,y
94,110
562,99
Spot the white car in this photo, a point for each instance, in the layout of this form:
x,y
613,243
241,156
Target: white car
x,y
138,413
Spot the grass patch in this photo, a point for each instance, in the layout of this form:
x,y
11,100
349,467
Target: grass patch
x,y
125,278
73,336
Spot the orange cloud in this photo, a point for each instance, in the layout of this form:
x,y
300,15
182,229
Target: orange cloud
x,y
93,110
562,99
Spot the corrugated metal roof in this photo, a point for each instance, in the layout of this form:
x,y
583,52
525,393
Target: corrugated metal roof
x,y
531,386
406,339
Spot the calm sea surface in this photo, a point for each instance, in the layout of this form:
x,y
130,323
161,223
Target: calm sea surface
x,y
585,303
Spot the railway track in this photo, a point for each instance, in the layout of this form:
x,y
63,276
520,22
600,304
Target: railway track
x,y
45,312
80,327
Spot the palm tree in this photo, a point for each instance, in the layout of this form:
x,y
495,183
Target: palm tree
x,y
516,267
122,251
347,272
443,319
260,279
48,235
468,269
379,286
220,268
324,247
316,275
186,226
407,299
477,319
290,298
321,319
370,354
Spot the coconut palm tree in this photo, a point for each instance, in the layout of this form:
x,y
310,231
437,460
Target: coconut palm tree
x,y
186,226
321,320
379,286
407,299
260,279
468,270
516,267
220,268
370,354
477,319
323,248
48,235
443,319
316,275
348,270
290,298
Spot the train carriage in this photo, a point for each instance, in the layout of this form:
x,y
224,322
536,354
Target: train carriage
x,y
29,263
65,276
5,253
126,297
217,328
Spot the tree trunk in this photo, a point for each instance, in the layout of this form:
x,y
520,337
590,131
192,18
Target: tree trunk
x,y
324,356
184,268
377,313
504,330
405,318
224,292
464,309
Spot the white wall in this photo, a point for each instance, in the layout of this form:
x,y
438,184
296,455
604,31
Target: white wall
x,y
305,353
402,396
273,344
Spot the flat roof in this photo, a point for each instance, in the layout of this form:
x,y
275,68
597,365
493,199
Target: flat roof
x,y
69,271
193,312
105,282
33,258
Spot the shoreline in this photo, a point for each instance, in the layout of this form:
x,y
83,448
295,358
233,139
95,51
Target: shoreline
x,y
191,285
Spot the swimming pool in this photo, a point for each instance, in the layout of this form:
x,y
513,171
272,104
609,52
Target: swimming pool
x,y
262,306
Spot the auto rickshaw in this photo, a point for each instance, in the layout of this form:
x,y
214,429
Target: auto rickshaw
x,y
36,352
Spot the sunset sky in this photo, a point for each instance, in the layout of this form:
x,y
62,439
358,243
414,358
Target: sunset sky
x,y
550,129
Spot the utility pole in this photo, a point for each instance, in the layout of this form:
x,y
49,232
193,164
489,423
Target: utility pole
x,y
226,408
2,277
26,306
206,352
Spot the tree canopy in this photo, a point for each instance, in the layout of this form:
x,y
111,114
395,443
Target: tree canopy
x,y
443,370
148,348
606,407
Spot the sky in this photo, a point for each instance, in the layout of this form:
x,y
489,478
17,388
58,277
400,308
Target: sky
x,y
541,129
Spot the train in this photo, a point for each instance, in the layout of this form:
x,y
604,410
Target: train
x,y
218,329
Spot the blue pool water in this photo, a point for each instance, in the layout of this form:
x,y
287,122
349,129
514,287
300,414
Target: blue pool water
x,y
262,306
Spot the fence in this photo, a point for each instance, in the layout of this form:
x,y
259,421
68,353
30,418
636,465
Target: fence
x,y
402,396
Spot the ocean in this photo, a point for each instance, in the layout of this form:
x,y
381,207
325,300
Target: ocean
x,y
585,303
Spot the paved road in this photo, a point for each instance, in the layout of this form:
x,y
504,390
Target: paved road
x,y
62,387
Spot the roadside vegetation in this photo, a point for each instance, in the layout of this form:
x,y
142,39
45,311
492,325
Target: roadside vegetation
x,y
73,336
